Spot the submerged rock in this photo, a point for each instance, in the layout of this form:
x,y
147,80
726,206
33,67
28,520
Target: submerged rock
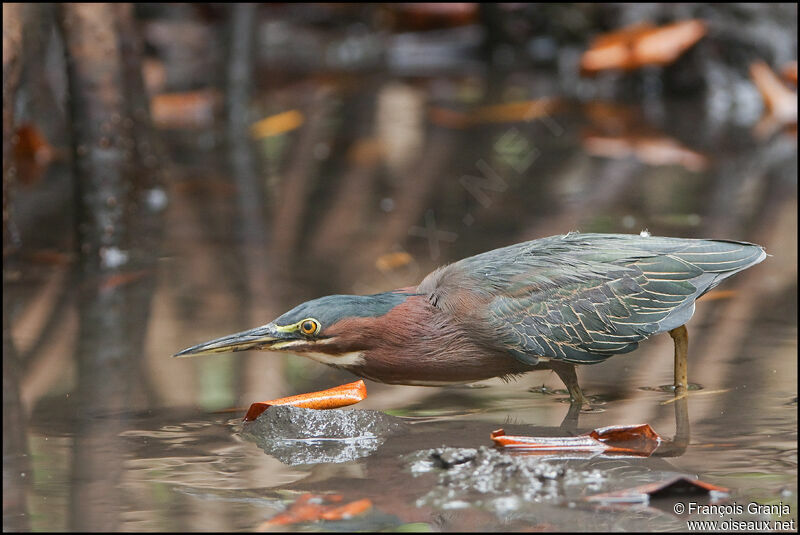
x,y
306,436
495,479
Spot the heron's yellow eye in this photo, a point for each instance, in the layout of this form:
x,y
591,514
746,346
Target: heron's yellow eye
x,y
309,326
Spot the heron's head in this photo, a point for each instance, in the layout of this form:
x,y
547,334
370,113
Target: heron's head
x,y
328,328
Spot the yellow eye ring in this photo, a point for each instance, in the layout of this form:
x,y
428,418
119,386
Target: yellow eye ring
x,y
309,326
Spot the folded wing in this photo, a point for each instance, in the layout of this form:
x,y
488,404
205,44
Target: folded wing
x,y
582,298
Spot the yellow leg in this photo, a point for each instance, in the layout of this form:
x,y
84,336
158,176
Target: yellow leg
x,y
681,339
677,446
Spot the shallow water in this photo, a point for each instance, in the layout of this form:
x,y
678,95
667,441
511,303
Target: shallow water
x,y
111,433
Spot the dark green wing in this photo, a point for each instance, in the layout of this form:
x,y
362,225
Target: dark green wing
x,y
585,297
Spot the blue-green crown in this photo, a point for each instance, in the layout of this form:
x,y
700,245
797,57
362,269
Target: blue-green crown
x,y
332,308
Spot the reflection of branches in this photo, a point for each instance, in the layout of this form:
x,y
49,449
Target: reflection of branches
x,y
49,322
339,227
412,196
609,184
290,199
12,50
15,436
361,152
42,315
257,300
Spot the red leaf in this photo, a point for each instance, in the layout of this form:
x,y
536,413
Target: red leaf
x,y
332,398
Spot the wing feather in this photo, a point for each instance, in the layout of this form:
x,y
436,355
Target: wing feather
x,y
584,297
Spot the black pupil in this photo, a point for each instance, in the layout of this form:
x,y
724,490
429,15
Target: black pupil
x,y
308,326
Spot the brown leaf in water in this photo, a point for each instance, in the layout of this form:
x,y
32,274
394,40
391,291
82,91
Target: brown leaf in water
x,y
508,112
641,44
675,486
49,256
313,508
32,153
189,109
430,15
332,398
620,132
348,510
390,261
779,100
448,118
649,149
121,279
365,151
789,72
30,143
277,124
626,439
154,75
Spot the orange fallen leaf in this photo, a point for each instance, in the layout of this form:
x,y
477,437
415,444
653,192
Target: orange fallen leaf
x,y
649,149
525,110
154,75
390,261
789,72
431,15
332,398
612,116
448,118
621,132
121,279
277,124
190,109
508,112
779,99
628,439
311,508
348,510
49,256
306,508
365,152
641,44
32,153
30,144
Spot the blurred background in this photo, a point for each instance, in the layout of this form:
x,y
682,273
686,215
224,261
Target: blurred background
x,y
176,172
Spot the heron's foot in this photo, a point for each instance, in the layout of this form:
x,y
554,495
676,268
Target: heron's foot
x,y
683,394
671,388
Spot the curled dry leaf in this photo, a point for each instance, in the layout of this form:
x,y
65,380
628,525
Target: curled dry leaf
x,y
32,153
790,72
332,398
277,124
390,261
638,440
117,280
780,100
30,144
190,109
649,149
366,151
675,486
641,44
311,508
508,112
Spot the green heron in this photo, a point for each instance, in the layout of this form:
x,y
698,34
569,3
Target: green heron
x,y
550,303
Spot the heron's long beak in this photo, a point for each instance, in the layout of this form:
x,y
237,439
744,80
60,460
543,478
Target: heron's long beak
x,y
264,337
